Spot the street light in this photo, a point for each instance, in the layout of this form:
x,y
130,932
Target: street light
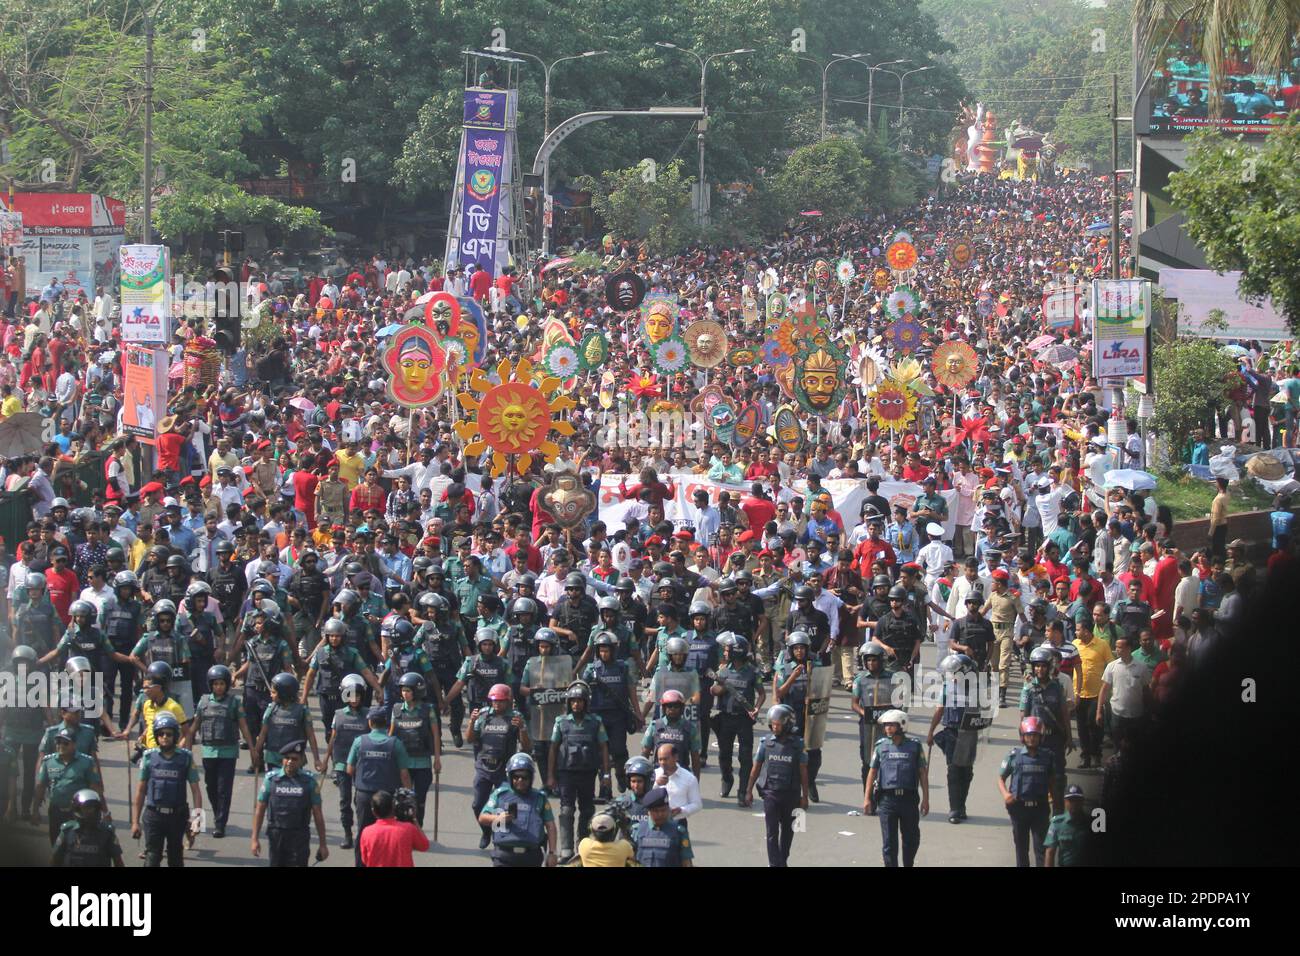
x,y
871,83
704,66
836,58
901,78
546,73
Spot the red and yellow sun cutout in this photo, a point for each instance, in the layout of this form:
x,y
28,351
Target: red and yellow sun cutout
x,y
893,405
901,256
514,418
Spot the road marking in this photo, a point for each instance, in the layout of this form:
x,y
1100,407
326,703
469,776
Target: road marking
x,y
846,833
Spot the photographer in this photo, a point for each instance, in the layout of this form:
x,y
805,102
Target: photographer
x,y
391,838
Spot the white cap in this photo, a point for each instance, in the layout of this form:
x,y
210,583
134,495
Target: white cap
x,y
935,529
168,502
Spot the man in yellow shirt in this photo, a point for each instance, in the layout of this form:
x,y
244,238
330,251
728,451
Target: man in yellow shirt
x,y
221,457
1094,655
352,463
11,405
151,702
605,847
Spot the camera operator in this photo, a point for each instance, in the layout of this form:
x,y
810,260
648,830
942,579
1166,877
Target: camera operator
x,y
390,840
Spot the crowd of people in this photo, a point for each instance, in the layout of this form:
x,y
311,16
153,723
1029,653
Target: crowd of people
x,y
293,535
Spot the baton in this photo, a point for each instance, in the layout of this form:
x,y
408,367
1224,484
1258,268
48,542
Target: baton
x,y
437,800
130,809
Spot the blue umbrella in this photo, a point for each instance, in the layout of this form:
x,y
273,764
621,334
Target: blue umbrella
x,y
1101,225
388,330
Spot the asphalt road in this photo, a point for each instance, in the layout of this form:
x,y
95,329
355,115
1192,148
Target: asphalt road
x,y
724,834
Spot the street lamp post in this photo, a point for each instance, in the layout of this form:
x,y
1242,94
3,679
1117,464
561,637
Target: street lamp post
x,y
546,78
836,58
704,66
901,133
871,85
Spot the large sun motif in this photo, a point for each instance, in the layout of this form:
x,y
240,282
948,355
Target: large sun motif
x,y
901,256
893,405
955,363
514,417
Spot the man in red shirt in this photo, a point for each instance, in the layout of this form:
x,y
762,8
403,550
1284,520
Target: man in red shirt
x,y
62,584
169,446
758,508
1165,581
874,547
389,841
480,283
763,466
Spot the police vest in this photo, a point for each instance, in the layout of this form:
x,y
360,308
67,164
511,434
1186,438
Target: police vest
x,y
1031,774
227,588
497,741
485,672
1045,703
735,618
217,724
348,726
201,632
630,806
167,778
287,723
517,649
579,747
400,663
608,686
676,734
658,847
87,846
798,692
376,766
740,685
898,765
899,634
358,633
289,802
875,695
443,649
36,626
122,626
267,654
526,827
167,650
781,761
813,622
701,653
330,671
86,644
414,729
578,617
309,589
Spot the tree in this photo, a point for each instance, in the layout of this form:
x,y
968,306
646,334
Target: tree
x,y
638,203
832,176
1242,207
1191,378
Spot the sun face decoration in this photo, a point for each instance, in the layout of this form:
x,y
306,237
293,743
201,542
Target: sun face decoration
x,y
880,279
514,418
955,364
901,256
742,356
707,343
960,255
893,406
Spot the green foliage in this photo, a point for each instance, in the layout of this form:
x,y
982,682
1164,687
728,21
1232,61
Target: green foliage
x,y
1243,208
833,176
1191,375
656,209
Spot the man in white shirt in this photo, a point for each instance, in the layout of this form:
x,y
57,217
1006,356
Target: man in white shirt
x,y
936,556
682,786
1048,503
1124,686
704,516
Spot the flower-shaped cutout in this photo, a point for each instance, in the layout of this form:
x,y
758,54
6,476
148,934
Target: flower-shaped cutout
x,y
670,355
900,302
562,361
905,334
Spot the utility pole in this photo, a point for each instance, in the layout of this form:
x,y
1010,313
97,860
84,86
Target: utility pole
x,y
146,230
1114,175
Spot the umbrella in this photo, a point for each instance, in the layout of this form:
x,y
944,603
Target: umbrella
x,y
1042,342
1101,225
1057,354
1129,478
557,263
1235,349
303,405
21,434
388,330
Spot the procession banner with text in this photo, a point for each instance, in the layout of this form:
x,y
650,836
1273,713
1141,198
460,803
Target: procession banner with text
x,y
484,164
146,293
1121,312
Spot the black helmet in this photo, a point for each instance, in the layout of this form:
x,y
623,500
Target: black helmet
x,y
220,672
284,685
881,581
117,554
176,561
334,626
898,593
414,681
743,576
578,691
263,587
728,586
638,767
353,568
166,721
160,672
701,609
224,547
521,606
624,585
520,763
604,639
804,593
433,601
739,648
575,579
159,552
87,804
403,631
421,564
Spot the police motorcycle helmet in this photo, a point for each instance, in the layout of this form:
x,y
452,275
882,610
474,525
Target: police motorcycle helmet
x,y
1031,725
896,717
414,681
77,665
485,635
334,626
638,767
798,639
126,579
160,672
520,607
869,650
676,646
220,672
23,653
578,691
607,603
499,692
520,769
604,639
544,635
87,806
431,603
955,664
352,689
403,631
739,648
166,723
781,715
82,609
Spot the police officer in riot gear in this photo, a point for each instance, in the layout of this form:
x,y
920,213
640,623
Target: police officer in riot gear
x,y
962,718
973,635
417,725
627,807
739,695
574,615
496,732
377,761
164,643
579,749
873,690
444,643
780,772
522,619
307,590
790,686
285,720
219,722
229,585
674,727
266,654
898,632
611,621
87,839
613,700
123,624
329,665
288,801
35,622
546,676
661,841
480,673
1042,696
348,723
519,819
898,777
702,658
201,631
159,809
1026,781
811,621
405,656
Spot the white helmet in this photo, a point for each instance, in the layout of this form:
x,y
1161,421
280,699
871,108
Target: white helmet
x,y
353,687
894,717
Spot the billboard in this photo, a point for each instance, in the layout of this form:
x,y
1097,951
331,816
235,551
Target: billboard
x,y
70,239
144,392
1200,292
146,293
1121,313
1176,101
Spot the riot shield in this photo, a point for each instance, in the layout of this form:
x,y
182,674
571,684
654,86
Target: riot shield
x,y
688,682
818,704
553,676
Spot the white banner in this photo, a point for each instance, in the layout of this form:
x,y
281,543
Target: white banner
x,y
847,495
146,293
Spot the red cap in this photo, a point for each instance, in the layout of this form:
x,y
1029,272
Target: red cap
x,y
683,535
745,536
767,552
248,469
205,481
1001,575
654,539
187,480
151,487
336,390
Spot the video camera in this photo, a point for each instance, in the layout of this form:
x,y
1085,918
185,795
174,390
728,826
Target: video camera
x,y
404,806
